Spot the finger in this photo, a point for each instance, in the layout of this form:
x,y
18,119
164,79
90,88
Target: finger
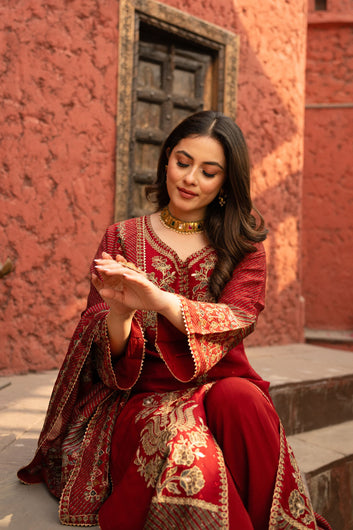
x,y
133,267
110,269
132,277
109,262
105,255
120,259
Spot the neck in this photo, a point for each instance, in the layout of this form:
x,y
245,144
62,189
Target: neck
x,y
184,227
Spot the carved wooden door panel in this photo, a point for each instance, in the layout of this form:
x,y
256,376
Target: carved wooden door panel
x,y
172,80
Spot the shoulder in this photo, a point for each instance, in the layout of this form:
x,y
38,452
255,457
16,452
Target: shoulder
x,y
122,237
255,259
125,228
258,253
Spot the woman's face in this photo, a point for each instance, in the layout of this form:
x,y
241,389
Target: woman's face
x,y
195,174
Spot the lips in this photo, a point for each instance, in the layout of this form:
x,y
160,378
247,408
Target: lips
x,y
187,193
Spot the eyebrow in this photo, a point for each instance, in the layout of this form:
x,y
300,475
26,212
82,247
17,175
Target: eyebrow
x,y
181,151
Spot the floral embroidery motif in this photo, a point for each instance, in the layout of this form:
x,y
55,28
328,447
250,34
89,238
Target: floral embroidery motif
x,y
160,263
171,443
296,504
149,318
202,277
192,480
290,509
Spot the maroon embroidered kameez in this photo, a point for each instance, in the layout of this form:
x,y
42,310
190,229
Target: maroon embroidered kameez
x,y
180,432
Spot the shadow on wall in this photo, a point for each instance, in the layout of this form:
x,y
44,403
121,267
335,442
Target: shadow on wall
x,y
275,141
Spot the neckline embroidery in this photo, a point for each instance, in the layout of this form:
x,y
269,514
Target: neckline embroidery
x,y
152,235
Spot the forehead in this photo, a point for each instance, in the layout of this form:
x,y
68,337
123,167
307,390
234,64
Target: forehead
x,y
202,147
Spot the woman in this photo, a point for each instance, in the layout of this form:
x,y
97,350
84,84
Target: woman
x,y
157,419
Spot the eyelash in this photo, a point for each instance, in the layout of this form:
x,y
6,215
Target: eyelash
x,y
209,175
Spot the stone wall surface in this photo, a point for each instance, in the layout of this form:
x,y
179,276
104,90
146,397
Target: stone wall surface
x,y
328,178
329,66
58,103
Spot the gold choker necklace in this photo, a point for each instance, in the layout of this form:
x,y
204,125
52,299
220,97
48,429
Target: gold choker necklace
x,y
183,227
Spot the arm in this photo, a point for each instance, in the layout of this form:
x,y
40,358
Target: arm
x,y
213,329
114,330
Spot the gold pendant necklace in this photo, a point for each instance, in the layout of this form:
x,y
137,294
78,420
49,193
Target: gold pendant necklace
x,y
183,227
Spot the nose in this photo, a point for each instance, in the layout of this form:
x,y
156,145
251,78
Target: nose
x,y
190,176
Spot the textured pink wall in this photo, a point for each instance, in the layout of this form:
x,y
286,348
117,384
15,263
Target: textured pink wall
x,y
328,179
58,102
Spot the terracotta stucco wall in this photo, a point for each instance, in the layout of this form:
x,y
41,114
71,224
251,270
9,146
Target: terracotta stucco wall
x,y
328,175
58,102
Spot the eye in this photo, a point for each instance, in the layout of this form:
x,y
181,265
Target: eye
x,y
180,164
208,175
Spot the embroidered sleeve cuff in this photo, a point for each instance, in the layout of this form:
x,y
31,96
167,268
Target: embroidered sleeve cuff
x,y
173,347
212,331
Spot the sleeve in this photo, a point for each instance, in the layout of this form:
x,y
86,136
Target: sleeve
x,y
213,329
124,372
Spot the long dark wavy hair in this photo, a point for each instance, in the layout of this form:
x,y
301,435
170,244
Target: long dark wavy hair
x,y
233,228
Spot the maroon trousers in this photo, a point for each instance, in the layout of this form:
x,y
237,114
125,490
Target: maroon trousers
x,y
245,426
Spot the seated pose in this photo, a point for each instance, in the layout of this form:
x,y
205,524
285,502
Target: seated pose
x,y
157,420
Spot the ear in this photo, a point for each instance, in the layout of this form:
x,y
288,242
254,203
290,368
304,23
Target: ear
x,y
167,152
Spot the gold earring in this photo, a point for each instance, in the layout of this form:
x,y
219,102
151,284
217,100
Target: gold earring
x,y
222,198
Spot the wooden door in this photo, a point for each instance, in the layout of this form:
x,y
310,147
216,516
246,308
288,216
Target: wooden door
x,y
173,78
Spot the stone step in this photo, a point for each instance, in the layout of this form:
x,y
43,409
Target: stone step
x,y
325,458
311,386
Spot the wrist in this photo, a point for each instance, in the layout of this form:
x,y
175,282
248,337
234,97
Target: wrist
x,y
119,328
119,318
166,302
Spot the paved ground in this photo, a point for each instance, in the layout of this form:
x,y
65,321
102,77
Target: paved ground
x,y
24,399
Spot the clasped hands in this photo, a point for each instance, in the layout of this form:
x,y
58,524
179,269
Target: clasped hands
x,y
124,287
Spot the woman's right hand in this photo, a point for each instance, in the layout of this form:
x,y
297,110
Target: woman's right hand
x,y
109,288
120,316
126,289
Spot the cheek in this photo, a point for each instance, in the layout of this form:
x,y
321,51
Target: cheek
x,y
172,175
212,188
